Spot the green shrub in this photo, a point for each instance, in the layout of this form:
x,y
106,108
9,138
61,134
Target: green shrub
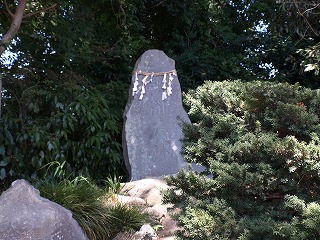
x,y
259,143
87,202
67,127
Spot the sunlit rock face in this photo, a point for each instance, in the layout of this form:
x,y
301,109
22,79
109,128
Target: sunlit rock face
x,y
153,116
25,215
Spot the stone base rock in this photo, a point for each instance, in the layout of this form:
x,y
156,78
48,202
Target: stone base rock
x,y
146,232
25,215
149,190
136,201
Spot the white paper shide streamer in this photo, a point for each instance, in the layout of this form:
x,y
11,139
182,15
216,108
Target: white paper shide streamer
x,y
141,86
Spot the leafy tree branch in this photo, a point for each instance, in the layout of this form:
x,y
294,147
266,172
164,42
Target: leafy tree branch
x,y
17,20
40,11
14,28
15,25
308,10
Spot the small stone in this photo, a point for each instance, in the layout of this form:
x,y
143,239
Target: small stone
x,y
148,189
157,211
146,232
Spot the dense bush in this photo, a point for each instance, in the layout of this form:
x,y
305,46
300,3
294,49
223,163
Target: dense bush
x,y
60,129
259,143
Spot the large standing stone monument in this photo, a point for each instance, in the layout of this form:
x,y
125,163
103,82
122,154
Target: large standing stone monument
x,y
25,215
153,116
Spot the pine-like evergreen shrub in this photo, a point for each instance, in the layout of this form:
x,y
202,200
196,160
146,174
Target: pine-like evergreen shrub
x,y
259,142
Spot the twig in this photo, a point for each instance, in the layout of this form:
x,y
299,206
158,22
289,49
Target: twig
x,y
301,14
8,9
310,9
158,4
29,88
40,11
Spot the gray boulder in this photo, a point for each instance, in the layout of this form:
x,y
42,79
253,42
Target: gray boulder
x,y
153,116
25,215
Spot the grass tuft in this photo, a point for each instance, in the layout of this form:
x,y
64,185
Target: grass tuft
x,y
100,221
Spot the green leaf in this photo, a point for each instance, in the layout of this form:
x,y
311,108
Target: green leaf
x,y
3,173
41,154
64,122
4,163
54,23
50,146
2,150
37,136
77,106
98,142
8,135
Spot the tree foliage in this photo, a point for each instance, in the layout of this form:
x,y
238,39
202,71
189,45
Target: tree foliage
x,y
76,53
65,127
300,17
209,40
259,143
299,21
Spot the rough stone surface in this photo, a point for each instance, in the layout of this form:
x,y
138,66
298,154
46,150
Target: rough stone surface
x,y
25,215
146,232
136,201
169,227
151,189
148,189
158,211
152,127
